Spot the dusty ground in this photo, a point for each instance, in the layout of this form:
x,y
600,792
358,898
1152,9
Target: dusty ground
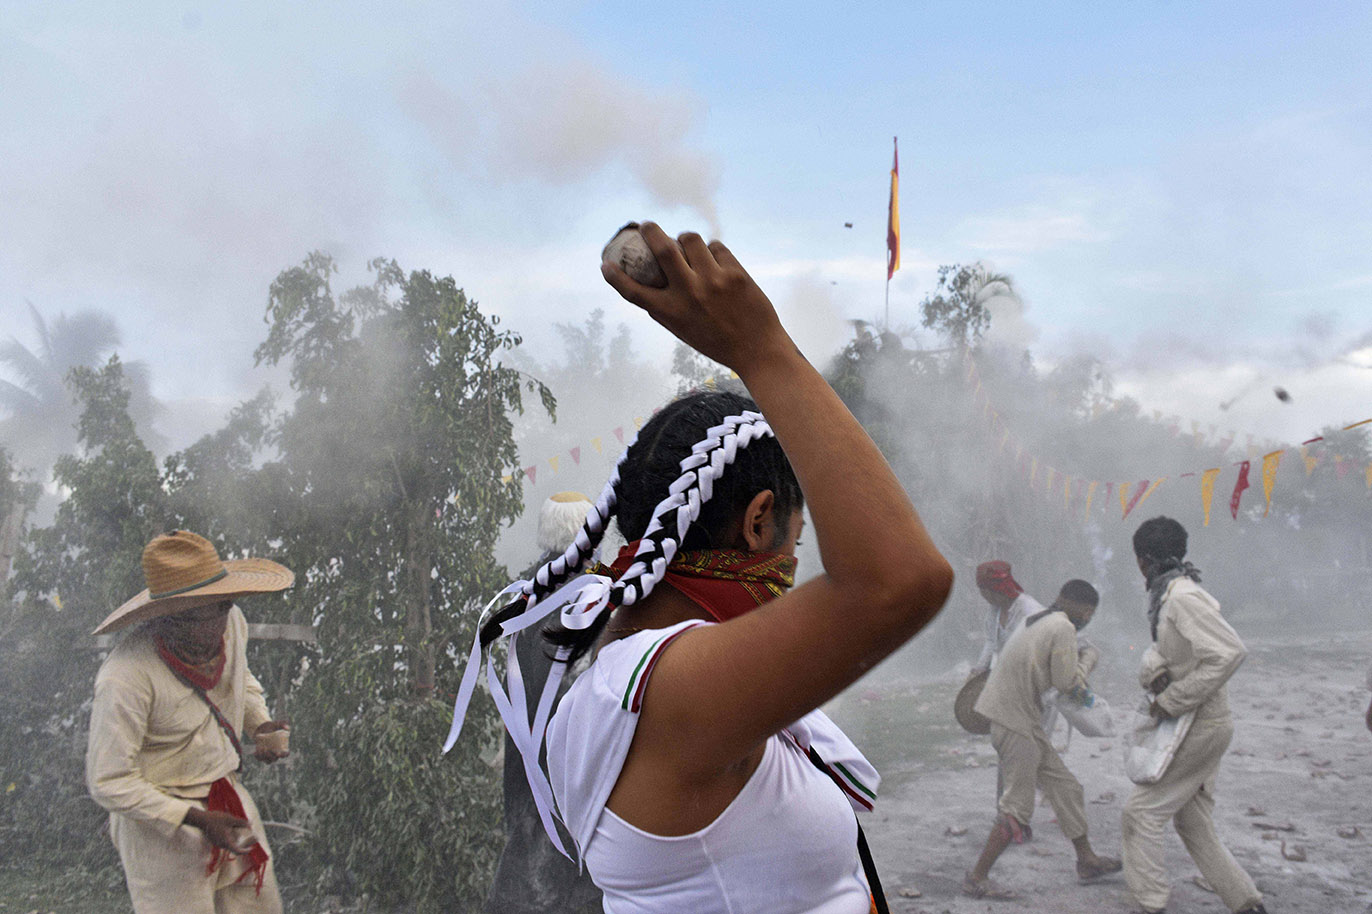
x,y
1299,771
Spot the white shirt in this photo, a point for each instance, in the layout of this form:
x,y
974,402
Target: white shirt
x,y
787,844
997,634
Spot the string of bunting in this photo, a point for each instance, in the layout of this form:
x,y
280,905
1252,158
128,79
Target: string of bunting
x,y
1130,494
595,443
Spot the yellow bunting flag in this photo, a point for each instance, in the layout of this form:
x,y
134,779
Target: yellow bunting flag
x,y
1033,471
552,461
57,599
1090,494
1124,498
1067,493
1356,424
1269,476
638,422
595,443
1309,460
506,478
1208,491
710,382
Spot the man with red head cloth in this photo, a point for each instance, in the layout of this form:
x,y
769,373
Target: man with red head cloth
x,y
1010,606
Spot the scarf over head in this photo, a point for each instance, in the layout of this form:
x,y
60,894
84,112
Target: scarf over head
x,y
996,577
1161,573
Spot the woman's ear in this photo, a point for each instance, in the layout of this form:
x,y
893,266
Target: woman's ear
x,y
760,522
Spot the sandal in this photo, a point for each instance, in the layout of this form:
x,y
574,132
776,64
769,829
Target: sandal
x,y
986,889
1102,866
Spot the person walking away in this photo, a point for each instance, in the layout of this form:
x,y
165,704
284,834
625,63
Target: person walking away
x,y
172,701
531,877
1193,655
1043,655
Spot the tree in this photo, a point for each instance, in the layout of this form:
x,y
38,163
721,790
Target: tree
x,y
958,307
70,575
17,498
386,500
42,413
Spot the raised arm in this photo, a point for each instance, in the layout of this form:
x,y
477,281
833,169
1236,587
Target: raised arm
x,y
720,690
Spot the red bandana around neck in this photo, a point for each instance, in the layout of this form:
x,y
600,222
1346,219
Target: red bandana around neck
x,y
194,674
726,583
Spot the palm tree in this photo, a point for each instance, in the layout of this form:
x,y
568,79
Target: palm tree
x,y
40,415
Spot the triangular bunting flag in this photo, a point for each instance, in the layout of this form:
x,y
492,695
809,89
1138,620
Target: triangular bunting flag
x,y
1125,504
619,433
1033,471
638,422
1142,495
576,455
1239,486
1067,494
506,478
1309,459
1090,494
1208,491
531,472
595,443
1269,476
553,462
1342,465
1356,424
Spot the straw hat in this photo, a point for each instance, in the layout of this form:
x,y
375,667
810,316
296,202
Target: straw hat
x,y
183,570
970,720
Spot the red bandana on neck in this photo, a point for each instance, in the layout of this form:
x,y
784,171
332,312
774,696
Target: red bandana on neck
x,y
726,583
194,674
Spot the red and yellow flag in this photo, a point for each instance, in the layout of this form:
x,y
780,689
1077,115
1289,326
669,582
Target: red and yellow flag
x,y
893,215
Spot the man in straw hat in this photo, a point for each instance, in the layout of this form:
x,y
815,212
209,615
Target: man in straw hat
x,y
171,701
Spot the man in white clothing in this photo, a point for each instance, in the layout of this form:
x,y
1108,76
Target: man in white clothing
x,y
171,701
1193,655
1009,607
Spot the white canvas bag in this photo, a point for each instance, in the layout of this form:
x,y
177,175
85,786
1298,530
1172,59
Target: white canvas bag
x,y
1152,745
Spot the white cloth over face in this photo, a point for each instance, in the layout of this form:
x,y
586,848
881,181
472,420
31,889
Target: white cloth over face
x,y
786,844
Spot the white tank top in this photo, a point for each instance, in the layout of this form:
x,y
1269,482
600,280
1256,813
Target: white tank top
x,y
787,844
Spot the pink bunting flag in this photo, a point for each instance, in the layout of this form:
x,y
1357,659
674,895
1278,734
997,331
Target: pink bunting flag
x,y
1139,494
1239,486
576,455
619,433
532,473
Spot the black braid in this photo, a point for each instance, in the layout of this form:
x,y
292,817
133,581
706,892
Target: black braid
x,y
660,461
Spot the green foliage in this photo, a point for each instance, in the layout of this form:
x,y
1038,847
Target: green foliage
x,y
70,576
957,308
389,502
381,488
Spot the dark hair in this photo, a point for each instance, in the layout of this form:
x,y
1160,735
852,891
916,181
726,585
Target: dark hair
x,y
671,490
1160,538
1079,591
654,463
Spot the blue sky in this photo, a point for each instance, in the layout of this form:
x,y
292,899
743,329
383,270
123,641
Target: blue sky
x,y
1180,189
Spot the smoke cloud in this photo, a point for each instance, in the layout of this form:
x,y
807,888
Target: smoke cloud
x,y
566,123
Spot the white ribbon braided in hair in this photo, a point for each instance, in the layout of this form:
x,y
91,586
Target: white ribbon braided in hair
x,y
582,600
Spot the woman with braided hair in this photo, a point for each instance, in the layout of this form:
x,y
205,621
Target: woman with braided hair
x,y
689,762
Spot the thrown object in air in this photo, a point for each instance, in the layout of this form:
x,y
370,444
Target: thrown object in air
x,y
628,251
1281,394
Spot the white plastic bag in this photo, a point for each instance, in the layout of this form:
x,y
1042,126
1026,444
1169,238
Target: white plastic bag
x,y
1094,720
1152,745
